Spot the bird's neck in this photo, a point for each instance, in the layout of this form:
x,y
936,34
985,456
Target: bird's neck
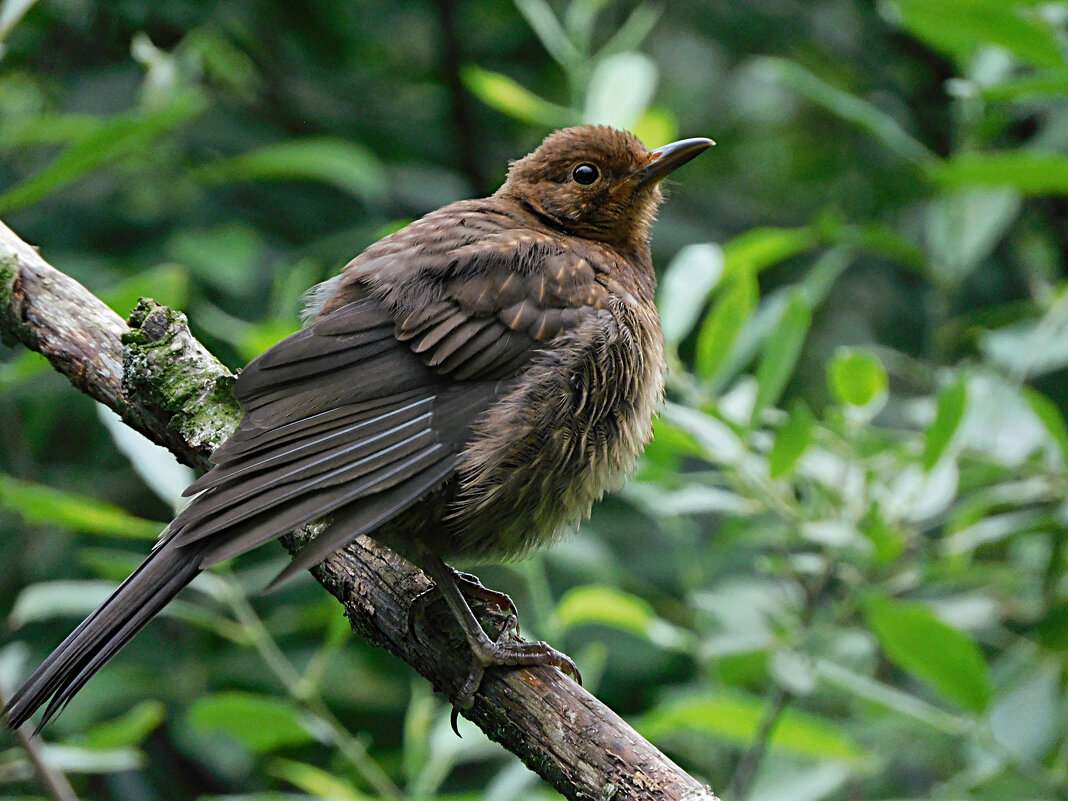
x,y
636,278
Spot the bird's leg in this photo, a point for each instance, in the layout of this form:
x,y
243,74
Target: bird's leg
x,y
487,653
471,587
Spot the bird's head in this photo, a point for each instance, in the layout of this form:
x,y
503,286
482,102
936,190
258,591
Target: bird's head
x,y
596,181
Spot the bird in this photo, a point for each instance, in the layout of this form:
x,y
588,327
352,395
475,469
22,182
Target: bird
x,y
467,387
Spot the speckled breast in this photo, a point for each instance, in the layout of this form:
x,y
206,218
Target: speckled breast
x,y
570,429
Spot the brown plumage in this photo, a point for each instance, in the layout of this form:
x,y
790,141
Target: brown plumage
x,y
467,386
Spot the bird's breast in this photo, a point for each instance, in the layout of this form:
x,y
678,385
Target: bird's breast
x,y
570,428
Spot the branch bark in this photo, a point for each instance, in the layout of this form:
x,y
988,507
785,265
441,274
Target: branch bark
x,y
167,386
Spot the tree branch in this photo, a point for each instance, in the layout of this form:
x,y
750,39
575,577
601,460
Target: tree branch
x,y
167,386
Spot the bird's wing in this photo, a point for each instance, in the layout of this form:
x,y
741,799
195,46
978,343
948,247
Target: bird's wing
x,y
338,416
489,317
496,301
475,292
368,410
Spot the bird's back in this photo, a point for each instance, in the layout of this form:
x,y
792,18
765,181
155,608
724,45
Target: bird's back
x,y
484,289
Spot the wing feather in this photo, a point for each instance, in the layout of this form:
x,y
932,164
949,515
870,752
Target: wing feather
x,y
366,410
408,477
315,441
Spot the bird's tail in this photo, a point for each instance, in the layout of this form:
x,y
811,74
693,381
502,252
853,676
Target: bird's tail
x,y
152,586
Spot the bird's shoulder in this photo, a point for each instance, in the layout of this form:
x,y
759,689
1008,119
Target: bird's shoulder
x,y
477,285
484,244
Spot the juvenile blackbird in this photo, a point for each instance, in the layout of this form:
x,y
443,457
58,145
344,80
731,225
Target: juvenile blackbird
x,y
467,386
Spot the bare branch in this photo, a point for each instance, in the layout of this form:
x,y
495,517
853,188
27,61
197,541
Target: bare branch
x,y
167,386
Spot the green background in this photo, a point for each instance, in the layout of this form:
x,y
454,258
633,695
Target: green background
x,y
840,570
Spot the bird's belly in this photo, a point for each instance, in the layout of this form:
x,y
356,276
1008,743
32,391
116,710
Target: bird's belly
x,y
571,429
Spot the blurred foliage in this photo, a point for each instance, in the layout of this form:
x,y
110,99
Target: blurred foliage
x,y
840,570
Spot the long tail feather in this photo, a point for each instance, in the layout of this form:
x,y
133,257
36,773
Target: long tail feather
x,y
152,586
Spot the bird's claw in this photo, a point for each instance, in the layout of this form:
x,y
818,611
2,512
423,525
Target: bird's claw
x,y
509,653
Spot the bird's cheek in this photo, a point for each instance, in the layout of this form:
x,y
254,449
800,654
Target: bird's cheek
x,y
560,206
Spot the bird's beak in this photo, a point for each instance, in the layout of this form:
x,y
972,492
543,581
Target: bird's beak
x,y
670,157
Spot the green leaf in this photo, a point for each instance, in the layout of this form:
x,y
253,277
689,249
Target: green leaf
x,y
952,402
792,440
725,322
165,283
656,126
781,351
22,369
48,128
881,239
760,248
888,541
350,167
815,284
689,499
962,229
669,447
1030,172
607,606
504,94
850,108
225,256
1050,416
157,466
1032,346
717,440
687,282
915,640
959,27
891,698
857,377
630,35
71,759
11,12
620,90
41,505
1053,84
106,143
540,17
819,279
314,781
736,718
1052,629
129,729
1025,718
259,722
46,600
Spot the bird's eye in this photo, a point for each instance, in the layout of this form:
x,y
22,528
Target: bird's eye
x,y
585,174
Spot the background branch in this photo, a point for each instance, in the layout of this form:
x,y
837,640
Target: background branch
x,y
170,388
55,781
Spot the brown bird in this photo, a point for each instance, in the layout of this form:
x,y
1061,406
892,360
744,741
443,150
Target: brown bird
x,y
467,387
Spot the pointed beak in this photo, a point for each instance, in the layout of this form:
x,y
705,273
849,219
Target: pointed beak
x,y
670,157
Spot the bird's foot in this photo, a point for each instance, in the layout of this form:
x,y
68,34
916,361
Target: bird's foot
x,y
506,652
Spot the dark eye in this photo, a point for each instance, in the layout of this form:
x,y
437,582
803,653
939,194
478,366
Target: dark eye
x,y
585,174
